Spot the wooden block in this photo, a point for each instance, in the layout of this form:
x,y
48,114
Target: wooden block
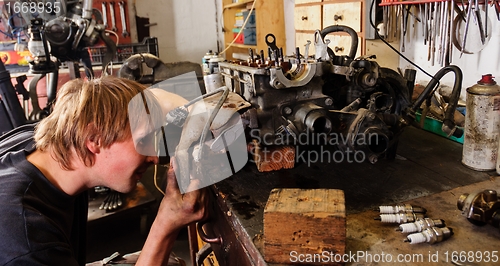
x,y
272,158
305,226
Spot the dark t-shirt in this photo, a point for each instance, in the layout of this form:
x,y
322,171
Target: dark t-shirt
x,y
39,224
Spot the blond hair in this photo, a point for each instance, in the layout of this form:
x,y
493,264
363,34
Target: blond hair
x,y
94,109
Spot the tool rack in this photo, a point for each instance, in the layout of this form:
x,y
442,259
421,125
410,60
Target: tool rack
x,y
121,25
444,24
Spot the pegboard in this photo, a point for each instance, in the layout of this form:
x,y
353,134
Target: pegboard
x,y
106,7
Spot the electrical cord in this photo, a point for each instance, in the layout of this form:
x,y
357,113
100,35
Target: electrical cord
x,y
116,35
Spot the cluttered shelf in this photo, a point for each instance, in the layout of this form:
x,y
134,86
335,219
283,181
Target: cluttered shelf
x,y
246,24
238,4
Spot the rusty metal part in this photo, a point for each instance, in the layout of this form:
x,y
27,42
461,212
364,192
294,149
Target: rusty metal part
x,y
136,66
330,98
480,208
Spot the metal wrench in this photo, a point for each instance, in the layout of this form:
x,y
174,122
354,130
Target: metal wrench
x,y
104,15
124,21
113,18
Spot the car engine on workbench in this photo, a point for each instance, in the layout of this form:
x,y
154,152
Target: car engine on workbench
x,y
322,98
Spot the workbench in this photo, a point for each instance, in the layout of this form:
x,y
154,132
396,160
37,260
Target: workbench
x,y
427,172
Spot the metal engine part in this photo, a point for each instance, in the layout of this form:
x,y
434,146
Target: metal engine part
x,y
481,208
352,103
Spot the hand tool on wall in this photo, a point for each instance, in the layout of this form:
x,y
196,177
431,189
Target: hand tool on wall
x,y
467,20
124,20
497,8
113,18
479,22
104,15
486,18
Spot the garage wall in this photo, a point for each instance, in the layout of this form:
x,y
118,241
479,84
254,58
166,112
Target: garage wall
x,y
473,66
186,29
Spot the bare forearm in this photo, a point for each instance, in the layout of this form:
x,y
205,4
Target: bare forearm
x,y
158,245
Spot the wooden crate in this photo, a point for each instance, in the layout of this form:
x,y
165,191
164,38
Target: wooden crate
x,y
305,226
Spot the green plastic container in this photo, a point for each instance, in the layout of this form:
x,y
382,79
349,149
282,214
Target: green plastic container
x,y
434,126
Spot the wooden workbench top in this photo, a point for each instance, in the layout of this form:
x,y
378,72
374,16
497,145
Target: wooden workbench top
x,y
426,172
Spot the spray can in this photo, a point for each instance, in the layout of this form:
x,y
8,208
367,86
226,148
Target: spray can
x,y
482,125
204,62
213,63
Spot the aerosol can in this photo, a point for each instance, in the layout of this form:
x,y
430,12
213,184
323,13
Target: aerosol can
x,y
482,125
204,62
213,63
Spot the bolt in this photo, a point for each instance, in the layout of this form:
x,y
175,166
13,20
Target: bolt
x,y
328,101
371,116
287,110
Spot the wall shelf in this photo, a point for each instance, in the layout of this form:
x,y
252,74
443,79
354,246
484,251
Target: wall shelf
x,y
269,18
239,4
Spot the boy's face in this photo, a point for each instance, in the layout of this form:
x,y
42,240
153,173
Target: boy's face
x,y
120,166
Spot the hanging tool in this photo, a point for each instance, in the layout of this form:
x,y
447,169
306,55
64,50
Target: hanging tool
x,y
467,20
404,25
451,30
113,18
385,19
124,21
486,18
104,15
497,8
477,13
434,26
459,11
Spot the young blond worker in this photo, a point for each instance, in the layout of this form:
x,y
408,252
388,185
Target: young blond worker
x,y
46,168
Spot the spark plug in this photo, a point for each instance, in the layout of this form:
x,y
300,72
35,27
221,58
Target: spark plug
x,y
430,235
399,218
402,208
419,225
